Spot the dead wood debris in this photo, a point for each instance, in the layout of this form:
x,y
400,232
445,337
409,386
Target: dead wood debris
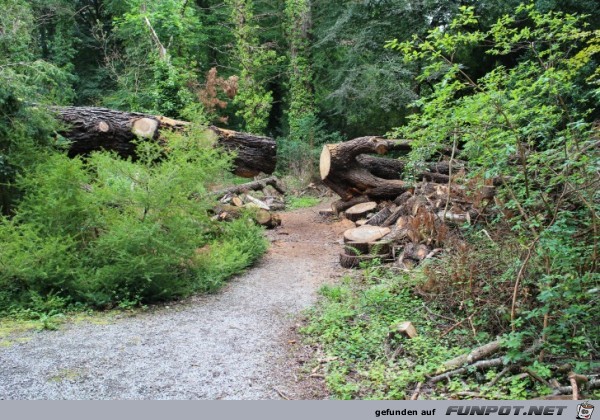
x,y
233,199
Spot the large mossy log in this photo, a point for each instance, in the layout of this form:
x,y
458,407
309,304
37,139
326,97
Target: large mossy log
x,y
90,129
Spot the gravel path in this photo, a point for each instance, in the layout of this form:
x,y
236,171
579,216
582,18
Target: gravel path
x,y
230,345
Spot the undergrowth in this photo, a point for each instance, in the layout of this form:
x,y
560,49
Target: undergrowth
x,y
103,232
353,328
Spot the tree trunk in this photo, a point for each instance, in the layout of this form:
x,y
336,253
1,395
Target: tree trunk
x,y
261,184
254,154
387,168
91,129
341,172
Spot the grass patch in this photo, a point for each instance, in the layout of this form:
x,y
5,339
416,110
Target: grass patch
x,y
294,202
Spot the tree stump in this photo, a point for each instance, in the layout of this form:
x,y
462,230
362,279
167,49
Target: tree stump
x,y
358,211
365,234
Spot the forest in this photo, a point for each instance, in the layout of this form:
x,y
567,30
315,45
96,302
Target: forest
x,y
487,112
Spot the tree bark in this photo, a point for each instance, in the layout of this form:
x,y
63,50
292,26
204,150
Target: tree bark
x,y
357,211
387,168
260,184
341,171
254,154
90,129
341,205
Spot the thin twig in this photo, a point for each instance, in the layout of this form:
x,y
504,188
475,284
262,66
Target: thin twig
x,y
458,324
281,394
499,376
415,395
449,178
513,309
574,387
438,315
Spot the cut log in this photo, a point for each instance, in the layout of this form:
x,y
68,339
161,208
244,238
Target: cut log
x,y
358,211
258,185
258,203
341,205
90,129
365,234
263,217
379,248
267,219
403,198
227,212
341,172
356,248
381,216
459,218
253,154
393,217
237,201
387,168
353,261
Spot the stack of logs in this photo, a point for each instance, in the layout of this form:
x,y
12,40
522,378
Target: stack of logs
x,y
396,221
234,199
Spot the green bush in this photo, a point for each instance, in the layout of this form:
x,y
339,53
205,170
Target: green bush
x,y
104,231
299,154
529,122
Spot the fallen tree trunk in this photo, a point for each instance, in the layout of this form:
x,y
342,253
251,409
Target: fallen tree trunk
x,y
388,168
90,129
254,154
341,171
473,356
258,185
482,364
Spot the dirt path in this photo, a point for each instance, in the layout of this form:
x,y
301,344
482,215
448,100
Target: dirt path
x,y
231,345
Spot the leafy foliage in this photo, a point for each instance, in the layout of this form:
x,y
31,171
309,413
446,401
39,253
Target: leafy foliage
x,y
24,130
298,153
301,91
354,327
106,231
254,58
529,124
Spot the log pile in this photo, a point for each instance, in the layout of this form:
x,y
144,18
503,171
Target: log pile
x,y
397,221
234,200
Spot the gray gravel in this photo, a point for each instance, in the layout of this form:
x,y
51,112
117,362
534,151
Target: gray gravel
x,y
231,345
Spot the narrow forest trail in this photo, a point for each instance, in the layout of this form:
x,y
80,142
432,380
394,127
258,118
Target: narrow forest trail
x,y
229,345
